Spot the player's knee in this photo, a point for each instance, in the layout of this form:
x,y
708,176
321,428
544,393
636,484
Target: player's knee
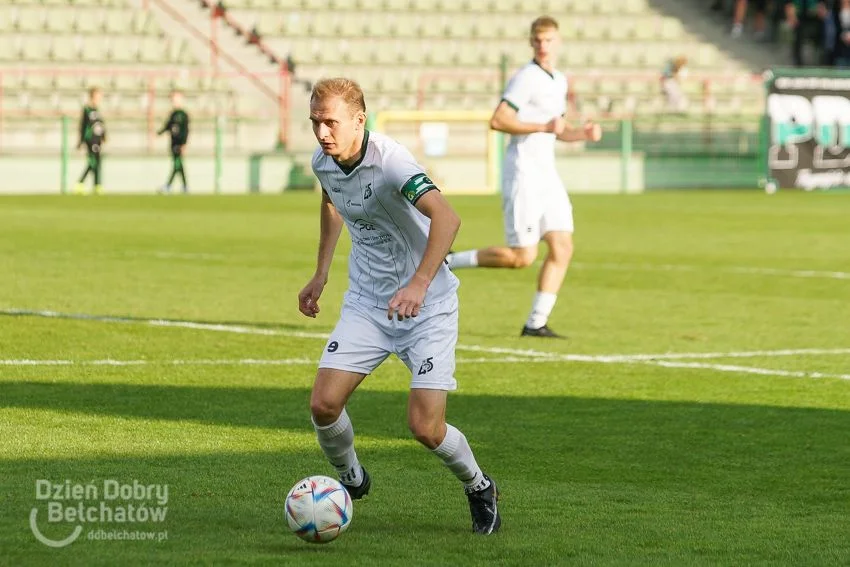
x,y
324,411
524,257
427,432
561,250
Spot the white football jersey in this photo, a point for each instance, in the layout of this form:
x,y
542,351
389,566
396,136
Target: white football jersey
x,y
376,197
537,96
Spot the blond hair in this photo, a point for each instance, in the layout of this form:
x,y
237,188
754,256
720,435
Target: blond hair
x,y
346,89
543,23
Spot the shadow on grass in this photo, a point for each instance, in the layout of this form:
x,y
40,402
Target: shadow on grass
x,y
755,447
607,480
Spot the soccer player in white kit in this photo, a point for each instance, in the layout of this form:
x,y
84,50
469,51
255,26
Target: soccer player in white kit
x,y
401,299
535,204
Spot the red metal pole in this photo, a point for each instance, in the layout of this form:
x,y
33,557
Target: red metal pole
x,y
151,98
283,105
214,41
2,76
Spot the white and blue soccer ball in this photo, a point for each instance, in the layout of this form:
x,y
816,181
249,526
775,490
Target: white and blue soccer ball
x,y
318,509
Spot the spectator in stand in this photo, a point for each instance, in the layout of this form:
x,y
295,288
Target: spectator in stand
x,y
806,18
740,15
674,71
717,6
841,24
254,36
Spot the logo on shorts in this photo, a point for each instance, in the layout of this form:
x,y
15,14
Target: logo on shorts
x,y
333,346
427,366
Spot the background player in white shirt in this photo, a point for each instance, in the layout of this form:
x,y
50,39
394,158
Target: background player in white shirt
x,y
535,203
401,299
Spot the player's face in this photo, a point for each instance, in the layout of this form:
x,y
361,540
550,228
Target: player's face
x,y
177,100
336,126
545,43
96,97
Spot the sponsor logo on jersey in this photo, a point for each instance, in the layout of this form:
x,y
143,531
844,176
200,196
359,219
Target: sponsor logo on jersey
x,y
368,192
363,225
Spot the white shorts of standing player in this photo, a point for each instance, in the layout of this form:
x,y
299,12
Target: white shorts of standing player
x,y
533,206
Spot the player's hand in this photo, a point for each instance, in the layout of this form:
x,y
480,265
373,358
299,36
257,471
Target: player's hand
x,y
556,126
308,298
592,131
408,300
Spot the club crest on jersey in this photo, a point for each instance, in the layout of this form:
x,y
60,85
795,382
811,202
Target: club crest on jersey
x,y
368,192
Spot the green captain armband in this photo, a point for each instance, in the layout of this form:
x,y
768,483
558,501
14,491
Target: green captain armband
x,y
417,186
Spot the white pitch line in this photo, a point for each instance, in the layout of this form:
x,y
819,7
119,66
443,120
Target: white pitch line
x,y
516,355
238,329
722,269
238,362
505,360
734,354
746,369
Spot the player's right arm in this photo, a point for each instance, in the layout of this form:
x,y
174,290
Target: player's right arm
x,y
167,126
505,120
330,228
517,95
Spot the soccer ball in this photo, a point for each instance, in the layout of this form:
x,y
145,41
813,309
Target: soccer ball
x,y
318,509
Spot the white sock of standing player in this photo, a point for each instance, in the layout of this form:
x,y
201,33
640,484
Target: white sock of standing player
x,y
337,442
456,454
541,308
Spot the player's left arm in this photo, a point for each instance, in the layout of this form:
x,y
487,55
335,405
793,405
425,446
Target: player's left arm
x,y
445,223
590,132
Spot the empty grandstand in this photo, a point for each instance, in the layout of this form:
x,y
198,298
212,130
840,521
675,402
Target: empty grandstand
x,y
246,92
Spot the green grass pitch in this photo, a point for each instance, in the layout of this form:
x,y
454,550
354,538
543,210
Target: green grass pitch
x,y
729,447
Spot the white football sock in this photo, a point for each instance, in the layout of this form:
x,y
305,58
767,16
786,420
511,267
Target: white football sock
x,y
337,442
467,259
541,309
456,454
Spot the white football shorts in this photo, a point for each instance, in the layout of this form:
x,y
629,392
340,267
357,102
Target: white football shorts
x,y
364,338
533,206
